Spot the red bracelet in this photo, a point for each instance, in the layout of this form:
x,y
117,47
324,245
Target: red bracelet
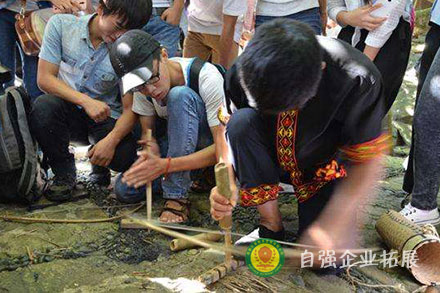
x,y
165,175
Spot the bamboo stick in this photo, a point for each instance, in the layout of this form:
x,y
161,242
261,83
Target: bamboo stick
x,y
181,244
218,272
68,221
202,243
222,182
149,195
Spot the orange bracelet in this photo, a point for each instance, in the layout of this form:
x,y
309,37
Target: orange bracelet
x,y
165,175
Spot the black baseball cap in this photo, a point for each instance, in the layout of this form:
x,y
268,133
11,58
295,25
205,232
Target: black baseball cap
x,y
132,56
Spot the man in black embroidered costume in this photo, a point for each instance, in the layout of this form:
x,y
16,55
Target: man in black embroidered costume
x,y
307,111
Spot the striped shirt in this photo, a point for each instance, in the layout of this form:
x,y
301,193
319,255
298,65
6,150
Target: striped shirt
x,y
378,37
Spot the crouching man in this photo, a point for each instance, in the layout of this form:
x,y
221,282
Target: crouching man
x,y
82,101
166,96
307,111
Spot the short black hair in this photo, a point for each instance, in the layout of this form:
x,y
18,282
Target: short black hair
x,y
134,13
281,66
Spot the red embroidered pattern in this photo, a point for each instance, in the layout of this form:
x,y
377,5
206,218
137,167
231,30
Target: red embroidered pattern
x,y
366,151
286,136
259,195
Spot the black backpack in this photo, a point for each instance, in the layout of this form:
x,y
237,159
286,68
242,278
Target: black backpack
x,y
21,178
194,72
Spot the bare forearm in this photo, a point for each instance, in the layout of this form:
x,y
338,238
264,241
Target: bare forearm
x,y
342,18
124,125
340,215
228,49
200,159
323,6
371,52
52,85
178,4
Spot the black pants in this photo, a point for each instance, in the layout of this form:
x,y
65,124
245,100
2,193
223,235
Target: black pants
x,y
252,139
392,59
55,123
432,44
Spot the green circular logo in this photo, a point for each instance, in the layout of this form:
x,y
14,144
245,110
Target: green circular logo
x,y
265,257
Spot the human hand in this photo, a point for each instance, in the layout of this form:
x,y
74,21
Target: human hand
x,y
98,111
147,168
102,153
65,6
362,18
221,206
150,145
172,16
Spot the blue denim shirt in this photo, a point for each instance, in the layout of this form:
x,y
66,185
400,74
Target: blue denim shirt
x,y
88,70
435,12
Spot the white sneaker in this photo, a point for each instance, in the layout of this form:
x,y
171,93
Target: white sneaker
x,y
421,217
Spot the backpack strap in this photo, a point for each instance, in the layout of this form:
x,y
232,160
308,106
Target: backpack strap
x,y
28,174
221,69
194,72
8,141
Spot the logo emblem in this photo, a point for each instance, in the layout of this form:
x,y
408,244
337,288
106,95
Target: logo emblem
x,y
265,257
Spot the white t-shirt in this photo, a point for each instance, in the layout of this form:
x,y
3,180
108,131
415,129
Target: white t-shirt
x,y
284,7
206,16
161,3
210,89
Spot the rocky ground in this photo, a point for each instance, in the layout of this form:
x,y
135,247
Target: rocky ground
x,y
102,257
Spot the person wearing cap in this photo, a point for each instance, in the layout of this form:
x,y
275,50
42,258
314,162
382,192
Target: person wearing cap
x,y
162,93
82,101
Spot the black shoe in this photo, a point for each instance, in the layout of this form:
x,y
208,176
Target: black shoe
x,y
100,176
60,188
260,232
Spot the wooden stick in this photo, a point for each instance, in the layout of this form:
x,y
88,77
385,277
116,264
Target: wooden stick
x,y
218,272
66,221
152,226
222,182
181,244
148,191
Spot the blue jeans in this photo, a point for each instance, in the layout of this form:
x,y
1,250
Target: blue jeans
x,y
309,16
166,34
8,44
187,131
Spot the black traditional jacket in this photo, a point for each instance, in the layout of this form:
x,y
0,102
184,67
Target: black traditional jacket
x,y
341,125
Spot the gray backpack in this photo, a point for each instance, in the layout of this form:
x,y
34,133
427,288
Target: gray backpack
x,y
20,174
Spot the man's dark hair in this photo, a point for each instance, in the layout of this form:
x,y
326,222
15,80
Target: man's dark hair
x,y
281,66
134,14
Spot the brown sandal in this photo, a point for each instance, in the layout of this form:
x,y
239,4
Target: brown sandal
x,y
181,211
205,182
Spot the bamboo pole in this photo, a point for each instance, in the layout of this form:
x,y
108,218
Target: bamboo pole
x,y
68,221
219,271
148,191
222,182
201,243
181,244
